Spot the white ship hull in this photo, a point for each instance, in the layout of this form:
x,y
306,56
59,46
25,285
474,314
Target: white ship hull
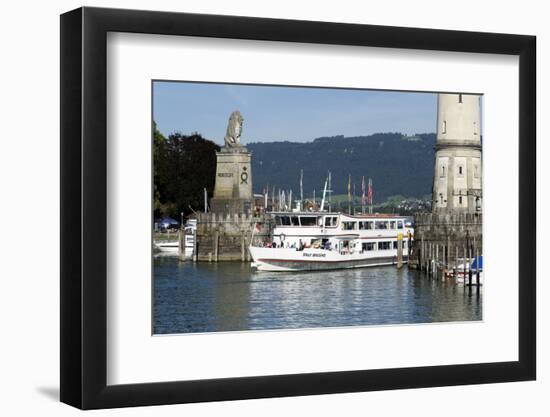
x,y
310,259
168,248
173,249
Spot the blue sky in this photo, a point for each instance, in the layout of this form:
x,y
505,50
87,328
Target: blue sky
x,y
298,114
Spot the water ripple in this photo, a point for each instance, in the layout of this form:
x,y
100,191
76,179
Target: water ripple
x,y
193,298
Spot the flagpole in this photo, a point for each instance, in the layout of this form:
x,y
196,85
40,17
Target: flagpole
x,y
290,199
363,194
301,189
349,193
353,200
370,192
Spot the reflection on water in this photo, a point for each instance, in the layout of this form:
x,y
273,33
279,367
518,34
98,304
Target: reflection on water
x,y
191,298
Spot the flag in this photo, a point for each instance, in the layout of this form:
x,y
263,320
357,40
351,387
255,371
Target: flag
x,y
363,191
370,192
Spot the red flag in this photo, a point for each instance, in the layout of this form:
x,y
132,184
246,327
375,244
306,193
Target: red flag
x,y
363,191
370,192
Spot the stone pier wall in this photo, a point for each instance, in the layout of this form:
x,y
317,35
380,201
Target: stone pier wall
x,y
447,235
226,237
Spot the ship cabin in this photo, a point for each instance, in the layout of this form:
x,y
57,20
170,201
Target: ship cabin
x,y
354,233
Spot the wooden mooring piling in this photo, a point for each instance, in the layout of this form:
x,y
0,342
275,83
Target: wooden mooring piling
x,y
448,247
438,261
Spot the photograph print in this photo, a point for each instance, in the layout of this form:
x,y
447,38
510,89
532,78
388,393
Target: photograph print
x,y
284,207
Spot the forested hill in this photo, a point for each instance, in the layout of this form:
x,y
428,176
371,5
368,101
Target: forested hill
x,y
398,164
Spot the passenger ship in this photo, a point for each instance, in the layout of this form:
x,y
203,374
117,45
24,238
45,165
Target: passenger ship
x,y
309,241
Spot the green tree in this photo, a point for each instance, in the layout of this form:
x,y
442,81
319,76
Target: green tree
x,y
184,166
159,144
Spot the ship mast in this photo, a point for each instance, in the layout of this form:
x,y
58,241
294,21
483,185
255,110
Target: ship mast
x,y
329,191
324,195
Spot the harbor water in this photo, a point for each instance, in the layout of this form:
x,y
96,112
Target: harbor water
x,y
231,296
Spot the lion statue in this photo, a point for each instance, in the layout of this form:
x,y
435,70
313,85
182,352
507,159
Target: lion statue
x,y
234,129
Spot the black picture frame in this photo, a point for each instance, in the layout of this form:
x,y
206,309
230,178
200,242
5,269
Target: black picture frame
x,y
84,207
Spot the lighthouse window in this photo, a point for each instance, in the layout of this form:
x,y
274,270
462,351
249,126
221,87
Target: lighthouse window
x,y
460,98
443,171
444,126
460,199
460,171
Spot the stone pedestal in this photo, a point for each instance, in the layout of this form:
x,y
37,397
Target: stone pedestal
x,y
233,186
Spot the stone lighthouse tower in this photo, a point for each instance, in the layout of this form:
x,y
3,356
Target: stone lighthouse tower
x,y
457,176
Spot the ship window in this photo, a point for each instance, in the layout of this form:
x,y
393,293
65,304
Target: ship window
x,y
384,245
331,221
278,220
395,244
366,225
294,221
348,225
285,221
393,224
308,220
369,246
381,225
399,224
